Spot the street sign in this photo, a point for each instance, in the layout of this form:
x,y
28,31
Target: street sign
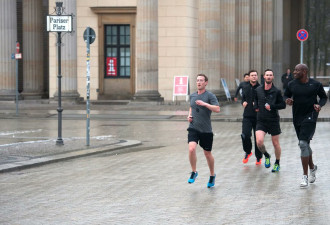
x,y
302,35
180,86
91,35
59,23
18,56
17,47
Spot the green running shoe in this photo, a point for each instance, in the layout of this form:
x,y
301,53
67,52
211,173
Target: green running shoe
x,y
276,168
267,162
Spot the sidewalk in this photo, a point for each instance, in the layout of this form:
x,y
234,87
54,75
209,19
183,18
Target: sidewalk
x,y
19,152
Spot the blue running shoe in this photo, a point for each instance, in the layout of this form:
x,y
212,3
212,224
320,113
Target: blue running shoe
x,y
276,168
192,178
211,181
267,162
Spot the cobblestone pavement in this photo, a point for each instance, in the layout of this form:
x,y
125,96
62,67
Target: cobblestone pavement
x,y
148,185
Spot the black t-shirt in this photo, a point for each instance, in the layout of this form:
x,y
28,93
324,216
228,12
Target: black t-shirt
x,y
304,97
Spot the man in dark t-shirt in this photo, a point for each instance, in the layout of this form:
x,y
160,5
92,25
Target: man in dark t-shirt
x,y
202,104
302,94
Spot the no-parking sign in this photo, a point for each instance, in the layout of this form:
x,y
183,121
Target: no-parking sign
x,y
302,35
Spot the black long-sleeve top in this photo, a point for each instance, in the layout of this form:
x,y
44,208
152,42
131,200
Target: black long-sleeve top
x,y
248,94
241,86
274,98
304,97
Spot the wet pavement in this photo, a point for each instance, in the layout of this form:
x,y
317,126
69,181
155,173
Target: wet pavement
x,y
137,169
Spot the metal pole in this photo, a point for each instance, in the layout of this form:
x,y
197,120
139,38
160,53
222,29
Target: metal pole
x,y
301,51
88,87
16,87
59,140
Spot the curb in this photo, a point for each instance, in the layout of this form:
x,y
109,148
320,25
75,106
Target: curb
x,y
10,167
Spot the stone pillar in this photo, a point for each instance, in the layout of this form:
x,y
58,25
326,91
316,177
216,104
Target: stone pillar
x,y
267,34
209,43
147,51
242,38
33,85
227,41
69,56
8,38
278,40
255,35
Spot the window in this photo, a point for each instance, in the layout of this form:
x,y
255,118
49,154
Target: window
x,y
117,51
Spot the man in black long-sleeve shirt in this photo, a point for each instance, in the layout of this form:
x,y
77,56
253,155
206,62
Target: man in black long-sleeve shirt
x,y
302,94
268,100
250,118
242,85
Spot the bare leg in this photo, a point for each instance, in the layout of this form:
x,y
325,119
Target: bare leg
x,y
305,162
192,156
276,144
210,161
310,162
260,136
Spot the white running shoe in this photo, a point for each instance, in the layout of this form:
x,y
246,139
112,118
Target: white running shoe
x,y
304,181
312,176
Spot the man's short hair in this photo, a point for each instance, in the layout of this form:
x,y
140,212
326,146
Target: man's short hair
x,y
253,71
246,74
203,75
266,70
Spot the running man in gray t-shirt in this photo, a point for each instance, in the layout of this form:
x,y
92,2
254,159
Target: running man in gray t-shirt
x,y
202,104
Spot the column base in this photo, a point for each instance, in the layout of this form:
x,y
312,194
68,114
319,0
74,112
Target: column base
x,y
69,96
9,95
33,95
146,96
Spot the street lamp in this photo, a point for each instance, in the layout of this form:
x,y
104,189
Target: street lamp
x,y
59,141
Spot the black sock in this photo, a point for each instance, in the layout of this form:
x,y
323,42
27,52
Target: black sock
x,y
266,154
277,162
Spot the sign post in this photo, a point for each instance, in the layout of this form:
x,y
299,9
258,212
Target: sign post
x,y
89,37
302,35
180,87
17,56
59,23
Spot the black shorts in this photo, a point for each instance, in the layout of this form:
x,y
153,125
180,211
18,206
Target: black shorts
x,y
205,139
305,131
271,127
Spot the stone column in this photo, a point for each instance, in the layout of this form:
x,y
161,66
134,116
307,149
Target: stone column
x,y
8,38
242,38
255,35
278,57
69,56
147,51
267,34
209,43
33,85
227,41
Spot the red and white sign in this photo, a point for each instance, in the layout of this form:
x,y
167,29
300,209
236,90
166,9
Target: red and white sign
x,y
17,47
112,66
180,87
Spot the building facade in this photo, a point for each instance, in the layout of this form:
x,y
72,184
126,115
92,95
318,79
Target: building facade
x,y
141,45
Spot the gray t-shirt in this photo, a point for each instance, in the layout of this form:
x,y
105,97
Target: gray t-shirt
x,y
202,115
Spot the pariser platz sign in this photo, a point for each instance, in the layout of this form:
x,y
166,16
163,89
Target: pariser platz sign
x,y
59,23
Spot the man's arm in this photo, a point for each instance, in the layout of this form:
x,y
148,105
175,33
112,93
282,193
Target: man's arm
x,y
280,103
213,108
189,117
322,95
287,96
